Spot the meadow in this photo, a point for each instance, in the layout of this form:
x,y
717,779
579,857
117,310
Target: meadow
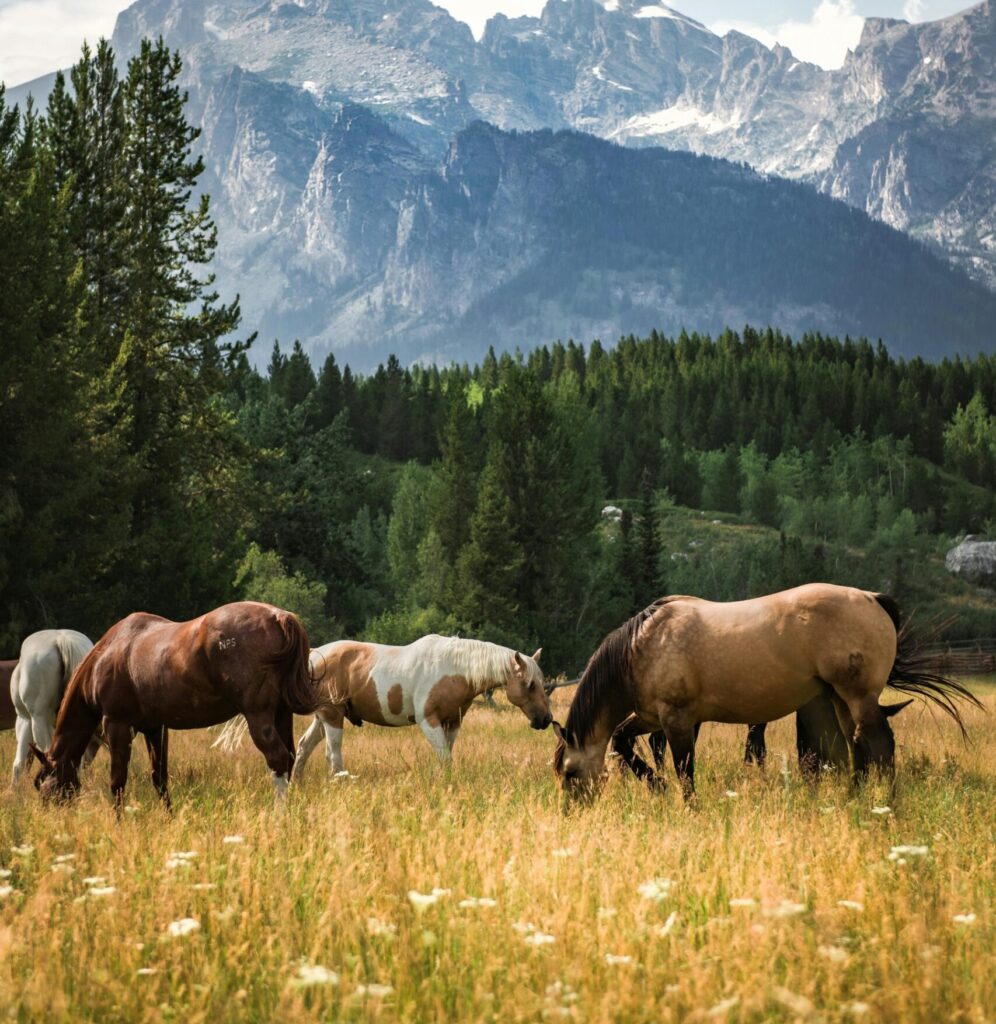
x,y
415,893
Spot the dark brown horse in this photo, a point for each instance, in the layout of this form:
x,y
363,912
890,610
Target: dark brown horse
x,y
684,661
8,716
820,743
149,674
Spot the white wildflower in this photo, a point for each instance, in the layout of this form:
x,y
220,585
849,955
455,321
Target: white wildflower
x,y
64,858
743,901
563,852
538,939
964,918
375,990
5,891
101,890
421,900
855,905
604,913
477,901
723,1007
5,872
612,959
184,855
856,1008
131,809
233,840
22,851
899,853
375,926
314,974
731,794
64,869
92,880
146,971
203,886
524,927
793,1001
835,954
882,810
785,908
185,926
656,889
666,927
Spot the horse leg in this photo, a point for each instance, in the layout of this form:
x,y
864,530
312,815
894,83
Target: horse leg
x,y
310,739
681,736
41,729
157,744
119,738
436,735
820,742
285,730
22,729
92,749
333,745
624,744
658,747
264,733
756,749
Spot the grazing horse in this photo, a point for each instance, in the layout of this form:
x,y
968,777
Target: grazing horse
x,y
149,674
47,661
430,683
8,716
683,661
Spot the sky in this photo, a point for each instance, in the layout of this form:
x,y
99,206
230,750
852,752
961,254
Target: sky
x,y
39,36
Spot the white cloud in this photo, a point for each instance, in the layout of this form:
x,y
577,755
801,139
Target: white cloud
x,y
832,29
477,12
39,36
913,10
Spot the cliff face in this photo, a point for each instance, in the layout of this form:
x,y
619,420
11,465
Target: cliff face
x,y
361,205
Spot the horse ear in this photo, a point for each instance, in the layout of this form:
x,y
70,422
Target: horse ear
x,y
536,656
893,709
560,732
520,664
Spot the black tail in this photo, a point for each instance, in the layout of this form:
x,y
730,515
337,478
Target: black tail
x,y
298,688
912,672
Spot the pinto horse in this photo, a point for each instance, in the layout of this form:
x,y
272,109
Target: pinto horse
x,y
149,674
683,661
430,683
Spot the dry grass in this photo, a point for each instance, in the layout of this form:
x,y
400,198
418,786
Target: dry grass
x,y
325,881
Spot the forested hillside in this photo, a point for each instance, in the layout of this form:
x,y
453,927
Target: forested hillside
x,y
146,465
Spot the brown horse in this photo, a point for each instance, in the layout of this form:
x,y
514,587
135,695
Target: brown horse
x,y
149,674
684,661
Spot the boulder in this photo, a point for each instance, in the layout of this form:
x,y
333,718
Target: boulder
x,y
973,560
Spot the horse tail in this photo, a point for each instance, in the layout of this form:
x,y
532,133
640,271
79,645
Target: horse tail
x,y
298,687
73,649
912,670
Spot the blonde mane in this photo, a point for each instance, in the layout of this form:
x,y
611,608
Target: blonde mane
x,y
484,665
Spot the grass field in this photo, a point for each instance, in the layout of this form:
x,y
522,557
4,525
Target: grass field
x,y
823,925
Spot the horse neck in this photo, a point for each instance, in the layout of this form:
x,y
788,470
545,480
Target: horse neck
x,y
610,715
74,728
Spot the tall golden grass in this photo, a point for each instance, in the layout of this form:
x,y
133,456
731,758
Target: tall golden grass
x,y
823,925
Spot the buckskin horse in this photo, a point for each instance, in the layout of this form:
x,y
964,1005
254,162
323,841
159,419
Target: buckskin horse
x,y
149,675
430,683
684,660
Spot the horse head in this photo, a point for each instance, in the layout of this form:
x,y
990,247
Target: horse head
x,y
55,778
526,689
580,771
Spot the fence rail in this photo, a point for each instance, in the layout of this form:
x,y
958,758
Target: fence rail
x,y
964,657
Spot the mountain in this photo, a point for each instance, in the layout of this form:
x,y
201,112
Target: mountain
x,y
905,130
363,205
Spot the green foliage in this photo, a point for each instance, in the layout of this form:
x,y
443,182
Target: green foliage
x,y
261,576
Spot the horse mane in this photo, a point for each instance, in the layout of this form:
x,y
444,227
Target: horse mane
x,y
483,664
608,671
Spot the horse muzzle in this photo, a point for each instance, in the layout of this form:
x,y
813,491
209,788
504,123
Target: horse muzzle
x,y
541,721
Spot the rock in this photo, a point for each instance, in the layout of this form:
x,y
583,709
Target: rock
x,y
973,560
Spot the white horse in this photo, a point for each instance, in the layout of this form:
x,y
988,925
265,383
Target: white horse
x,y
47,661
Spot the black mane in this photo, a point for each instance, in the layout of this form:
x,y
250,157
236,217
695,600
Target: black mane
x,y
608,671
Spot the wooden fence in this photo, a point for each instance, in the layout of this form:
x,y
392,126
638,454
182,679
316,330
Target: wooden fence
x,y
965,657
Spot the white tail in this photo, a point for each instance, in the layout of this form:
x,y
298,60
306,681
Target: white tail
x,y
233,732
